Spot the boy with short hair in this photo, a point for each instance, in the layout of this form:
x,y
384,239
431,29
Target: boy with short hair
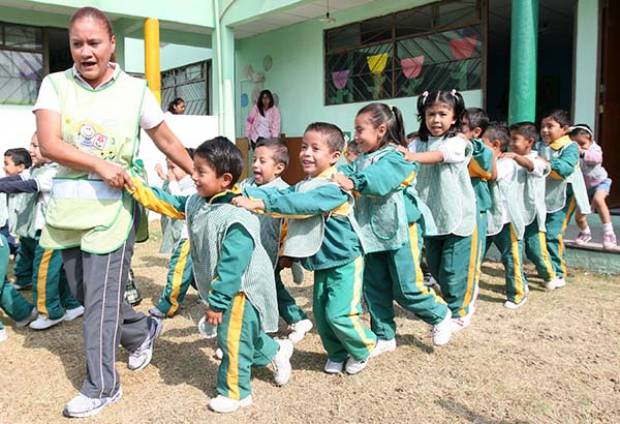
x,y
232,270
51,294
565,188
505,220
269,162
321,233
523,137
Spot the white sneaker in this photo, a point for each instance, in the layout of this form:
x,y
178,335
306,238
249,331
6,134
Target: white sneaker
x,y
354,366
33,315
43,323
333,367
219,353
156,312
509,304
282,362
71,314
3,335
300,328
555,284
383,346
82,406
461,323
224,405
142,356
443,331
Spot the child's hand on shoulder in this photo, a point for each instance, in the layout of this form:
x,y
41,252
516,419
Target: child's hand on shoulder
x,y
344,182
508,155
247,203
213,317
408,154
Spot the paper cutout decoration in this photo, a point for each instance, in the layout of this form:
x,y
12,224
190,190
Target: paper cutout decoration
x,y
340,79
267,63
463,48
377,63
412,66
245,100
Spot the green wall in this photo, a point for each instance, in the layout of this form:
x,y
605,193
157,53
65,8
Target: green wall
x,y
586,60
170,55
296,75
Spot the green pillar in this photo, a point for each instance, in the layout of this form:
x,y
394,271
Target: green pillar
x,y
523,58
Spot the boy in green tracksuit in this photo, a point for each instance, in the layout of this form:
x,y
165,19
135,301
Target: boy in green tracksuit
x,y
232,270
505,220
269,161
321,233
11,301
565,189
482,169
523,136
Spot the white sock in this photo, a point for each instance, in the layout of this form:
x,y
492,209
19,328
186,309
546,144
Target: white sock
x,y
586,230
608,228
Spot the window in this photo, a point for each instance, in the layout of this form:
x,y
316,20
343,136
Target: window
x,y
191,83
433,47
21,63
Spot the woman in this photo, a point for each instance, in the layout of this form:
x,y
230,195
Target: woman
x,y
88,120
177,106
263,120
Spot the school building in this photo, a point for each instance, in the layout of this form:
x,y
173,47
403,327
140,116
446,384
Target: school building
x,y
324,59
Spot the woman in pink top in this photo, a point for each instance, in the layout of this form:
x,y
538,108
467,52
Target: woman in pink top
x,y
264,119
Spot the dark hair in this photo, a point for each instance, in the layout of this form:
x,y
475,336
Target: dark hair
x,y
380,113
19,156
335,138
278,148
174,103
525,129
190,151
581,129
452,98
94,13
498,131
352,146
223,156
560,116
259,101
476,118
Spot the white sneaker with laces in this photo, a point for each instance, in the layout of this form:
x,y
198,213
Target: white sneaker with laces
x,y
609,241
383,346
443,331
354,366
71,314
300,328
333,367
142,356
282,362
82,406
555,284
3,335
224,405
43,323
33,315
583,237
509,304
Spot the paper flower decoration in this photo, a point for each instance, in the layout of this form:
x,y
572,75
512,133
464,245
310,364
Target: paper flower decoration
x,y
377,63
340,79
412,66
463,48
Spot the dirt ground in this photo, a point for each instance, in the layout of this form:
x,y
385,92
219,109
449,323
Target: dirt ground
x,y
556,360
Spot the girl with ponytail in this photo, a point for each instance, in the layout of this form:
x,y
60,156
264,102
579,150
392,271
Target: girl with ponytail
x,y
389,223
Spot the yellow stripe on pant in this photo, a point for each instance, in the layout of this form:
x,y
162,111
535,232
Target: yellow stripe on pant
x,y
542,239
415,254
569,213
232,339
42,281
177,279
471,271
358,283
517,266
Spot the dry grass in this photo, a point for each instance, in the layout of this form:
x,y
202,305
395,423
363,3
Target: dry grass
x,y
555,360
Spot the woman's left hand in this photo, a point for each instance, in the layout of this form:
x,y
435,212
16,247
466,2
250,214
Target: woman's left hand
x,y
113,175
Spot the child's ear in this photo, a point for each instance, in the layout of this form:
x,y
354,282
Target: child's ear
x,y
335,156
227,179
280,168
477,132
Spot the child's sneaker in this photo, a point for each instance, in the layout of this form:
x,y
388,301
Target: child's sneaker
x,y
43,323
555,284
82,406
142,356
225,405
509,304
282,362
219,354
300,328
71,314
609,241
33,315
354,366
156,312
383,346
443,331
333,367
3,335
583,237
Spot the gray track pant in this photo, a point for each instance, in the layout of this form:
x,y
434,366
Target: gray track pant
x,y
98,283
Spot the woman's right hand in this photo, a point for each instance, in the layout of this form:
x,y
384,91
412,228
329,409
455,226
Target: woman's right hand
x,y
113,175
